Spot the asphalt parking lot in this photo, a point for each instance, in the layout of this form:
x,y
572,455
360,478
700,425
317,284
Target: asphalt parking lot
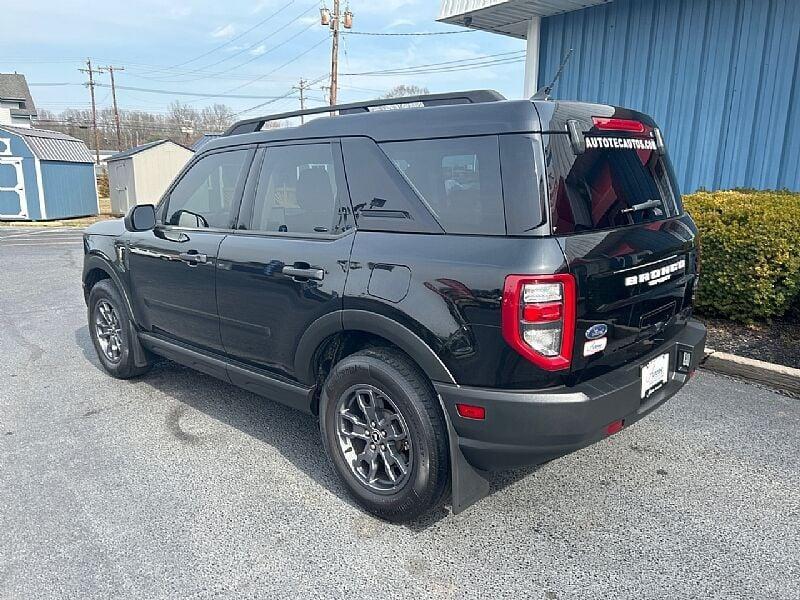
x,y
180,486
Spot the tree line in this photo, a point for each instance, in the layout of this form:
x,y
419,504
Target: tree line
x,y
181,123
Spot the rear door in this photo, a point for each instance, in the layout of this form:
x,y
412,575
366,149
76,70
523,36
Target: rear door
x,y
616,210
286,264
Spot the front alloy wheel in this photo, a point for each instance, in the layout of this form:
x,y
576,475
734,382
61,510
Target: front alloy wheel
x,y
108,330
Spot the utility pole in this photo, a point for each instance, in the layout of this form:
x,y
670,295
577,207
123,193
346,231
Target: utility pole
x,y
303,86
335,51
335,20
90,84
111,70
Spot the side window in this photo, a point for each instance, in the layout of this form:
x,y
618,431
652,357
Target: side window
x,y
299,191
382,198
459,178
204,197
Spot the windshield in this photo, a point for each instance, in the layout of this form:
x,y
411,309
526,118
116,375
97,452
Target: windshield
x,y
616,182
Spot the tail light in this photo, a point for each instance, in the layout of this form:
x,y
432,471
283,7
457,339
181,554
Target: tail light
x,y
538,318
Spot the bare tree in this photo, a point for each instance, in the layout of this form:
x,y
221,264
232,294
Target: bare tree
x,y
182,123
402,90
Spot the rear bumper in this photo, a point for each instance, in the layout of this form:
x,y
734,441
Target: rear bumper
x,y
531,427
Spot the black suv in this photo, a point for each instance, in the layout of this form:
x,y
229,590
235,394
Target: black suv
x,y
462,285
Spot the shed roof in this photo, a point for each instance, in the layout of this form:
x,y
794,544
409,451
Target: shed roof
x,y
507,17
137,149
14,87
52,145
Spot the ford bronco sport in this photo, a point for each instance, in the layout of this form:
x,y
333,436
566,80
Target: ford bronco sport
x,y
464,285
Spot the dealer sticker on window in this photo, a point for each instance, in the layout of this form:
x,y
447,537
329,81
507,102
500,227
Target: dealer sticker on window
x,y
655,374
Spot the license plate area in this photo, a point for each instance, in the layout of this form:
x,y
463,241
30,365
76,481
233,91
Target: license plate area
x,y
654,375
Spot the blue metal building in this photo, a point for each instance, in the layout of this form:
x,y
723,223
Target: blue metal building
x,y
721,77
45,175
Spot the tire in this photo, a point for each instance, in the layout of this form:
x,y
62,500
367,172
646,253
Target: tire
x,y
405,403
111,330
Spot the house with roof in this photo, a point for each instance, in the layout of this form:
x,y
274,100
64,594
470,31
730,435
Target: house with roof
x,y
142,174
45,175
16,104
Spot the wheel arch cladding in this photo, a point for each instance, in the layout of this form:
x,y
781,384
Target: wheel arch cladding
x,y
326,328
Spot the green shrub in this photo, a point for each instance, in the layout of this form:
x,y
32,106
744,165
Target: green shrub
x,y
749,252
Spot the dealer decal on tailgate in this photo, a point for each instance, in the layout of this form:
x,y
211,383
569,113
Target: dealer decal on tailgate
x,y
620,143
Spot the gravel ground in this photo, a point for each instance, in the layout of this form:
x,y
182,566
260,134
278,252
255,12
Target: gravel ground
x,y
180,486
776,342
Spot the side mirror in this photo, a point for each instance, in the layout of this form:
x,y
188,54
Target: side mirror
x,y
141,217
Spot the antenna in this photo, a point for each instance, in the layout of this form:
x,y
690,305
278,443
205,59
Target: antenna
x,y
544,93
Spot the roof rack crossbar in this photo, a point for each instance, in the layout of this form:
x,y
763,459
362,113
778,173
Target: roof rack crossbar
x,y
470,97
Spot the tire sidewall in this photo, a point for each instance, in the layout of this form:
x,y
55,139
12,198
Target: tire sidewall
x,y
417,489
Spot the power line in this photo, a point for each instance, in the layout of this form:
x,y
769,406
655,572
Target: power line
x,y
241,35
308,84
206,74
286,95
416,33
167,92
451,69
287,63
458,62
254,46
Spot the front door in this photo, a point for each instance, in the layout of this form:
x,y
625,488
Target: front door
x,y
13,204
172,268
287,263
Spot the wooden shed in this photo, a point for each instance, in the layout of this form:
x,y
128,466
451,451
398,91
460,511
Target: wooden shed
x,y
142,174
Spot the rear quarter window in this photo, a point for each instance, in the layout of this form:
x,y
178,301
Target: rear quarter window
x,y
458,178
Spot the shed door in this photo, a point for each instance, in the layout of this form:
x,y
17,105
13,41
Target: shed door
x,y
12,190
122,177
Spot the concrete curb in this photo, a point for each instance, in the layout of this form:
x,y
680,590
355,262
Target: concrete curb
x,y
775,376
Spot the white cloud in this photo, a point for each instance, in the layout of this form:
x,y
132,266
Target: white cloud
x,y
259,50
399,23
261,5
224,31
180,12
383,7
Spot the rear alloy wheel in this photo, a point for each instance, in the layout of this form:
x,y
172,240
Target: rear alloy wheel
x,y
385,434
373,437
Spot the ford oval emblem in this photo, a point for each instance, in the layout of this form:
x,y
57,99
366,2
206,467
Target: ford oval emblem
x,y
596,331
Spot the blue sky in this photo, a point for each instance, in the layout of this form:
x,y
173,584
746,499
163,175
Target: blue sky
x,y
199,47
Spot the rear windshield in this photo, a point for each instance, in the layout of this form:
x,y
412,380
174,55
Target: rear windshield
x,y
459,179
616,183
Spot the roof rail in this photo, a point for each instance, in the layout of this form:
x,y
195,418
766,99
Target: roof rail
x,y
469,97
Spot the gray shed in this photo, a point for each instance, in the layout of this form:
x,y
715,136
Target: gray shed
x,y
142,174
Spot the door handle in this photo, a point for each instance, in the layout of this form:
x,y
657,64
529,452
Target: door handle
x,y
193,258
303,273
